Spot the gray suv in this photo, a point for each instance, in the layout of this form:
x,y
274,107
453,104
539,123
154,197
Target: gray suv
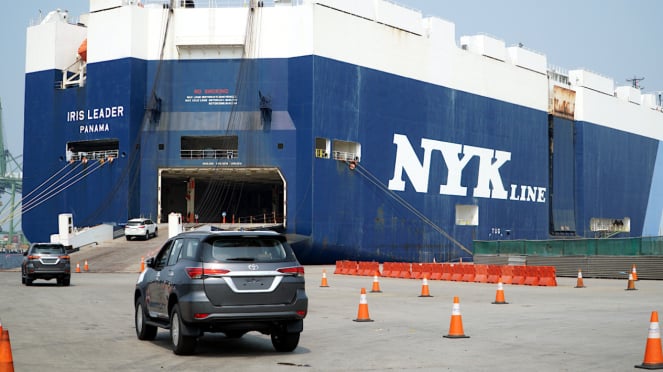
x,y
225,281
46,261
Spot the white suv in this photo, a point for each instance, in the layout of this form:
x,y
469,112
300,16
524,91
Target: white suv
x,y
140,228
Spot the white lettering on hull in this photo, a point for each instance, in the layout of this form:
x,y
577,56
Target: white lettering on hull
x,y
94,128
456,157
96,114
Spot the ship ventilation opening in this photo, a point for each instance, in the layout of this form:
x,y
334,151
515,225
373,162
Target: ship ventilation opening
x,y
322,146
609,227
346,151
235,197
209,147
467,215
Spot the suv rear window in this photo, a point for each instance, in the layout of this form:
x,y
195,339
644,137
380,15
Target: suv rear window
x,y
239,249
48,249
136,223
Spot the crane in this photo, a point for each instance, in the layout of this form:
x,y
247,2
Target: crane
x,y
11,183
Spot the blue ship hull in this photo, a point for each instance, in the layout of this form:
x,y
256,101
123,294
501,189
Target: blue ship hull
x,y
400,146
344,213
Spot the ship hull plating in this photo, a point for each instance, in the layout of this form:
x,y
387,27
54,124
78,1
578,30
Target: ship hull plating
x,y
356,153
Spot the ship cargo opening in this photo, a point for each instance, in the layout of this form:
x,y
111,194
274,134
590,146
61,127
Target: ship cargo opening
x,y
247,195
102,149
209,147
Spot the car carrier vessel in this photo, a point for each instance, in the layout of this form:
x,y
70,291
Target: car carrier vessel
x,y
364,128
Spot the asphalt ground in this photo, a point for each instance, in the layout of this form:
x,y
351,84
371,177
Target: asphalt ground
x,y
89,325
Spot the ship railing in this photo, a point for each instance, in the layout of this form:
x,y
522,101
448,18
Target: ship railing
x,y
559,79
271,218
558,70
209,3
209,154
344,156
93,155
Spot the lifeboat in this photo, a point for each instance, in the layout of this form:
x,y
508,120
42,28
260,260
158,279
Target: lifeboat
x,y
82,50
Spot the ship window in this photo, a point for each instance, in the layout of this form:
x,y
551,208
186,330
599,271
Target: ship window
x,y
467,215
93,150
346,151
162,146
209,147
322,148
279,146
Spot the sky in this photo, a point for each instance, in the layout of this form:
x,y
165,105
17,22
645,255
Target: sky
x,y
615,38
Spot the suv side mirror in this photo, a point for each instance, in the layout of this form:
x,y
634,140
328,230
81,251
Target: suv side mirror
x,y
150,262
25,252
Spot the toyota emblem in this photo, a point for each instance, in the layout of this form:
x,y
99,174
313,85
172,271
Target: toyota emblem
x,y
253,267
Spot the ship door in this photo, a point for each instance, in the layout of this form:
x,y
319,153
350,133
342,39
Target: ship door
x,y
562,177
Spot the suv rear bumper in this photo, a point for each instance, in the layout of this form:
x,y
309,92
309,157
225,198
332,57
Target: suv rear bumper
x,y
204,317
47,271
137,233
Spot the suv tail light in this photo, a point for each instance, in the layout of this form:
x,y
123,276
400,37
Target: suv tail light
x,y
295,270
199,272
208,271
194,272
34,257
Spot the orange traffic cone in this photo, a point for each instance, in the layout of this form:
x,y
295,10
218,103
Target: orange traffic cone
x,y
376,284
634,272
425,292
142,264
579,283
86,267
499,296
653,353
631,283
456,326
324,283
362,314
78,267
6,359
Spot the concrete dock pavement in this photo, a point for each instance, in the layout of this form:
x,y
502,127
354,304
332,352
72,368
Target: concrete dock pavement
x,y
601,327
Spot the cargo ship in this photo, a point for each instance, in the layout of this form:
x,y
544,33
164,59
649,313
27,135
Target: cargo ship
x,y
363,128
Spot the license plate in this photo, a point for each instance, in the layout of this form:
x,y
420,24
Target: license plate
x,y
253,282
